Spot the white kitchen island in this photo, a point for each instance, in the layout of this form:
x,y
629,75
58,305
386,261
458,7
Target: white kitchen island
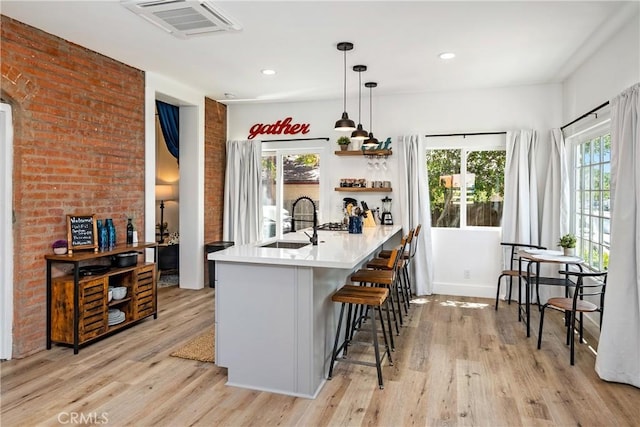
x,y
275,322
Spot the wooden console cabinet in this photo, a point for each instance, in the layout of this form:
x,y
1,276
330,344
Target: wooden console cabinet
x,y
78,307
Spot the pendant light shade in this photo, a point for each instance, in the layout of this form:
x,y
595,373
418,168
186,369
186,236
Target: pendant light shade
x,y
359,134
371,141
345,123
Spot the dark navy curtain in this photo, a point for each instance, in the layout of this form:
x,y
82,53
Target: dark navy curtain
x,y
169,115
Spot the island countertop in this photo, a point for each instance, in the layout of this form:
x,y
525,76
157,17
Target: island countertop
x,y
274,319
335,249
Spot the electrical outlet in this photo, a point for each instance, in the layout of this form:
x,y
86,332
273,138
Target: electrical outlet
x,y
467,274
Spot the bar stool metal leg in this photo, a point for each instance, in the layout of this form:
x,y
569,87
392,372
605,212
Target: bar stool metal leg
x,y
334,353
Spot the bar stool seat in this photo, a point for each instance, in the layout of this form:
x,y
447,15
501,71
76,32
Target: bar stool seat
x,y
380,264
385,253
358,296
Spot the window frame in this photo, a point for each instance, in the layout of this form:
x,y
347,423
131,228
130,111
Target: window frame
x,y
574,143
464,148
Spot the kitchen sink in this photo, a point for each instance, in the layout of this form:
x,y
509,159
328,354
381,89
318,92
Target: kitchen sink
x,y
281,244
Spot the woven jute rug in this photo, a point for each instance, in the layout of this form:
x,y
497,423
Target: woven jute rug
x,y
200,348
168,279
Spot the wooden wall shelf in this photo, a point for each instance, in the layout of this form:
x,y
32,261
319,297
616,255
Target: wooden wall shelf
x,y
379,153
364,190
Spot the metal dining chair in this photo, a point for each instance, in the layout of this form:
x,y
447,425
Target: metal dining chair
x,y
513,270
577,304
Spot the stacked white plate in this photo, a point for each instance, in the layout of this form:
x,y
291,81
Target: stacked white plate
x,y
115,316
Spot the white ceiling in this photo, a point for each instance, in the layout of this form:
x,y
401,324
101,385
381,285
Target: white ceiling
x,y
497,43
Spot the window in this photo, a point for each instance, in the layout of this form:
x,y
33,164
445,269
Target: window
x,y
480,173
592,177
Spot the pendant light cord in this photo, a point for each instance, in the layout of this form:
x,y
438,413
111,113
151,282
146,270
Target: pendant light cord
x,y
344,82
370,110
359,97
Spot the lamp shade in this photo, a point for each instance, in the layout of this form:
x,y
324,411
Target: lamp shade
x,y
345,124
166,192
359,134
371,141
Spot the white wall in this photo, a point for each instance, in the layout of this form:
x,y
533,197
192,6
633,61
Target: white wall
x,y
614,67
533,107
459,254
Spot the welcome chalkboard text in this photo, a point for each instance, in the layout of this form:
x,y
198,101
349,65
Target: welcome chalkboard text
x,y
82,232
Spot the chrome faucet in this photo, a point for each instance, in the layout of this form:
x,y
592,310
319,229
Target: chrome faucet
x,y
314,238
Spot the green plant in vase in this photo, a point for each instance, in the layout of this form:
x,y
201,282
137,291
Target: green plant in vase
x,y
568,244
343,142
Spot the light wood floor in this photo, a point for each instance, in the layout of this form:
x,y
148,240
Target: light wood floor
x,y
458,362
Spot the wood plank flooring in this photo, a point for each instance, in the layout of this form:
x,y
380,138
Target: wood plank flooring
x,y
457,363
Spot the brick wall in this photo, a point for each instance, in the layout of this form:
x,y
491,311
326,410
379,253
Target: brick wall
x,y
78,148
215,134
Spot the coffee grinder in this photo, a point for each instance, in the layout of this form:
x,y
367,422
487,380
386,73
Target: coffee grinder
x,y
386,218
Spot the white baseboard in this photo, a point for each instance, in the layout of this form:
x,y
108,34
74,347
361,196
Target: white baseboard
x,y
474,290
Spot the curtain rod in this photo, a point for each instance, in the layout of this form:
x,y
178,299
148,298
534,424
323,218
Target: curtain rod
x,y
464,135
294,139
586,115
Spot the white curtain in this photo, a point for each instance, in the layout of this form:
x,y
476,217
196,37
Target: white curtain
x,y
242,200
520,209
619,346
555,207
520,214
414,200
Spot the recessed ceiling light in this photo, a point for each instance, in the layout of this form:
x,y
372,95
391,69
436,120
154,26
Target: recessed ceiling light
x,y
268,72
447,55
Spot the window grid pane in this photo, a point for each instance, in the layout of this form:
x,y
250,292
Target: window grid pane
x,y
592,201
478,190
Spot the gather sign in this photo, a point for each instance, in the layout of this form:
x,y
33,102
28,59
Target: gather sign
x,y
281,127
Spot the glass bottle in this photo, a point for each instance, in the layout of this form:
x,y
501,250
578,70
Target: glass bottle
x,y
111,232
129,232
102,235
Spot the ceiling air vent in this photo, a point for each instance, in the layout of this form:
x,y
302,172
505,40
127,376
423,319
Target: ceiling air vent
x,y
183,18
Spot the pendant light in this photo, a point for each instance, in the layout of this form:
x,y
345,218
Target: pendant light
x,y
359,134
345,123
370,142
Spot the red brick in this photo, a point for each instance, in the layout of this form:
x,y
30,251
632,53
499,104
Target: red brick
x,y
78,147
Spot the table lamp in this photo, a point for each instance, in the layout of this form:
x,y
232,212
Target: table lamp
x,y
164,193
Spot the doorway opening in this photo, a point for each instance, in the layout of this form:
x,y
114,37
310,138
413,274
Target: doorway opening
x,y
288,174
167,231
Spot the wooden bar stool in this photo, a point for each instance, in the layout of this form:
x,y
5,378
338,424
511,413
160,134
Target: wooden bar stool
x,y
369,297
407,257
385,279
382,263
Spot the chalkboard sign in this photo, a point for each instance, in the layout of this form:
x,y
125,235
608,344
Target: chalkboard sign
x,y
82,232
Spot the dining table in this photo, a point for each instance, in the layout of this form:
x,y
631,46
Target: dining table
x,y
533,258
